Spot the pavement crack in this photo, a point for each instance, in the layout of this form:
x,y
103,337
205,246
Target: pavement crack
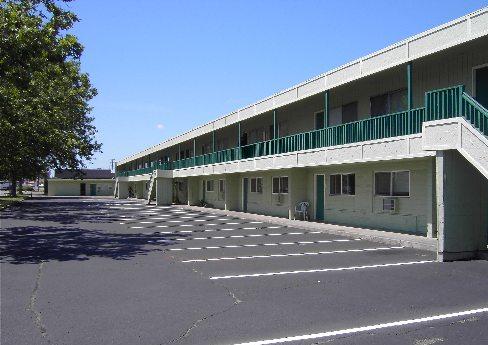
x,y
32,308
195,324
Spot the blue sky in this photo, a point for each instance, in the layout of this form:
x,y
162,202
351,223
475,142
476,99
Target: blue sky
x,y
164,67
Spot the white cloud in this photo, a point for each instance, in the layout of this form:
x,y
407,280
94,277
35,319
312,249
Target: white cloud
x,y
160,126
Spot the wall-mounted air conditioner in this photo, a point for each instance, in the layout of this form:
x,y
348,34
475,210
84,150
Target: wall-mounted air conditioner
x,y
390,205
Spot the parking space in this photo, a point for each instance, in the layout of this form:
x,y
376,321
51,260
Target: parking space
x,y
254,282
225,247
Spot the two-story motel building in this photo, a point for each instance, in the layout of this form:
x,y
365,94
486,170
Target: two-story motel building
x,y
396,140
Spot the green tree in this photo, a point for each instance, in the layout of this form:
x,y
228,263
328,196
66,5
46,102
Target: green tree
x,y
44,96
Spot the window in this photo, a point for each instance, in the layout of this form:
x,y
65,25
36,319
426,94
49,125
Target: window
x,y
344,184
388,103
259,184
349,184
395,183
276,185
283,129
335,184
222,186
350,112
256,185
319,120
180,186
335,116
210,186
280,185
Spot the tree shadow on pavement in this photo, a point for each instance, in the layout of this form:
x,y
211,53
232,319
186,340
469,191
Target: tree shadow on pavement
x,y
31,244
66,212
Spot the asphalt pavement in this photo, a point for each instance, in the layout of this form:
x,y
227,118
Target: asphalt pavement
x,y
103,271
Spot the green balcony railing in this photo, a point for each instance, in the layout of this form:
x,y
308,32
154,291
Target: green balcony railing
x,y
439,104
475,113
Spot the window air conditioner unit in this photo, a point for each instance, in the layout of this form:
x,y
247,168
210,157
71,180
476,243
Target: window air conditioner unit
x,y
390,205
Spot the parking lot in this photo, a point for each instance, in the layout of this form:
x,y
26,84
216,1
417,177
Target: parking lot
x,y
97,271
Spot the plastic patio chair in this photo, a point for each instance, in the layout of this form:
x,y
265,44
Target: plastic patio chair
x,y
302,209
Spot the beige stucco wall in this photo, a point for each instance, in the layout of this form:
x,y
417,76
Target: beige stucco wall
x,y
72,187
415,213
365,209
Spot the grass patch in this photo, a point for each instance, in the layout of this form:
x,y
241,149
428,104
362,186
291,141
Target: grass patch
x,y
6,201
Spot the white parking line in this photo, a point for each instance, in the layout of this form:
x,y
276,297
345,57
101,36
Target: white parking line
x,y
295,254
263,244
368,328
250,235
321,270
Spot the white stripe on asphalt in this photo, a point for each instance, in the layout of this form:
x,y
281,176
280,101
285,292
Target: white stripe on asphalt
x,y
251,235
296,254
264,244
321,270
368,328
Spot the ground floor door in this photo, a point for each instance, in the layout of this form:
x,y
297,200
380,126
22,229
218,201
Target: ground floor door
x,y
319,197
204,189
481,85
83,189
93,189
245,187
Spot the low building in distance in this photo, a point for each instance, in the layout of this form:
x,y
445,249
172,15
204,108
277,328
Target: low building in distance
x,y
92,182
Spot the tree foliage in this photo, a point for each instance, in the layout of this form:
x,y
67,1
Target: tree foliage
x,y
44,96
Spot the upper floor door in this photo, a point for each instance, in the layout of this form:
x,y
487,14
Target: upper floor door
x,y
481,85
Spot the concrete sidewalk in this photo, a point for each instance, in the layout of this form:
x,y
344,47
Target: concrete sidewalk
x,y
390,238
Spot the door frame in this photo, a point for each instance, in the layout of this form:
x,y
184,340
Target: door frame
x,y
93,190
83,189
315,193
473,77
245,188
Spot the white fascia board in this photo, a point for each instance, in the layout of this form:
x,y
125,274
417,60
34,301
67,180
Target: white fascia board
x,y
463,32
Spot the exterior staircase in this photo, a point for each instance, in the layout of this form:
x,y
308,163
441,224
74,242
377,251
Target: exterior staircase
x,y
467,133
116,188
152,179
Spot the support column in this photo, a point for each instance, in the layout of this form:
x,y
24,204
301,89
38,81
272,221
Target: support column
x,y
440,204
193,191
232,198
164,191
326,108
239,155
461,208
275,133
409,86
123,191
213,147
431,203
409,96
